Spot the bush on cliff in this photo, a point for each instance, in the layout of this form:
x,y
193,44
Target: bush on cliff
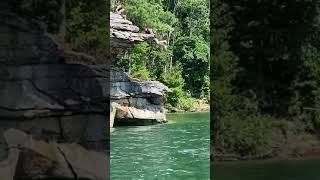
x,y
178,98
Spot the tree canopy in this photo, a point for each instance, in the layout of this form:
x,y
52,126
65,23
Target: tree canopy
x,y
265,69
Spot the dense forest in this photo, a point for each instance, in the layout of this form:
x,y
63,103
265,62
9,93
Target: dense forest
x,y
265,74
78,25
184,66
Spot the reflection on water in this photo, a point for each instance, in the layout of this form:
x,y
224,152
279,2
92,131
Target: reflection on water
x,y
174,151
267,170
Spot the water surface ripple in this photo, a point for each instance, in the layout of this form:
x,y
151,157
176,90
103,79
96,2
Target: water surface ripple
x,y
178,150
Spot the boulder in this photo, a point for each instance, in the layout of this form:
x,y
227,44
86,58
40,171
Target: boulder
x,y
42,160
53,121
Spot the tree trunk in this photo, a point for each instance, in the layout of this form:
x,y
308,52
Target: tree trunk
x,y
175,7
260,82
170,66
62,24
129,59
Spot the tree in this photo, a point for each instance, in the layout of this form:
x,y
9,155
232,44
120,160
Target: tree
x,y
86,27
192,53
265,63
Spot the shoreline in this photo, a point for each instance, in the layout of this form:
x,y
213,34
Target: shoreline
x,y
276,154
265,160
187,112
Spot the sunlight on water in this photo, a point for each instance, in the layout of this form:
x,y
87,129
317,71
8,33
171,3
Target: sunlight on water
x,y
173,151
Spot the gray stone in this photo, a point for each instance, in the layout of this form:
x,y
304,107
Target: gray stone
x,y
86,164
133,100
37,159
123,35
137,100
25,41
96,136
46,90
49,96
32,159
8,166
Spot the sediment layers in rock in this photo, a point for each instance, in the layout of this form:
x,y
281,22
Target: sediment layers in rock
x,y
49,100
124,35
137,102
133,101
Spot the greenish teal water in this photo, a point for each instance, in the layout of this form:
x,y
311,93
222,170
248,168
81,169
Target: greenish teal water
x,y
267,170
178,150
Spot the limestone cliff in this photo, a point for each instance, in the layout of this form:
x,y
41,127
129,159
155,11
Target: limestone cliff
x,y
123,35
53,119
134,102
137,102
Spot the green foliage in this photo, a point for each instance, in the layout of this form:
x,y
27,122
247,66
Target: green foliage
x,y
184,66
243,131
86,27
177,98
244,137
142,13
223,61
266,53
193,52
190,11
139,60
174,78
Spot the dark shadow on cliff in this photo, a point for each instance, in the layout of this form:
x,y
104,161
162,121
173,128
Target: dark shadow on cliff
x,y
44,95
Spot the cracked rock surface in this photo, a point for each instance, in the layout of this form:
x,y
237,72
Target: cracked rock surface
x,y
57,109
136,102
36,159
124,34
133,101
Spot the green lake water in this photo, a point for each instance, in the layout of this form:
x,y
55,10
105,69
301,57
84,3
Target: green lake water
x,y
178,150
267,170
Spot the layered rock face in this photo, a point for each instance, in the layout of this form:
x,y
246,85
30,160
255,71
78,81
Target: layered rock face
x,y
60,109
133,101
35,159
136,102
124,35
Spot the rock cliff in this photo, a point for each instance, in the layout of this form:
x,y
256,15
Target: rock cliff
x,y
124,35
53,115
133,101
136,102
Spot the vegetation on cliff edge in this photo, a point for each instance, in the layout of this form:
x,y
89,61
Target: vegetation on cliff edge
x,y
184,66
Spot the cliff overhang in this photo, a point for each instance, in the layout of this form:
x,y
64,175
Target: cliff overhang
x,y
133,101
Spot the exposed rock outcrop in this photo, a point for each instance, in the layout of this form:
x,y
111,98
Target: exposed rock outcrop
x,y
34,159
123,35
137,102
51,101
134,102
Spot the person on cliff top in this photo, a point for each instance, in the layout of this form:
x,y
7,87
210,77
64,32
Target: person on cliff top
x,y
148,31
162,44
120,10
